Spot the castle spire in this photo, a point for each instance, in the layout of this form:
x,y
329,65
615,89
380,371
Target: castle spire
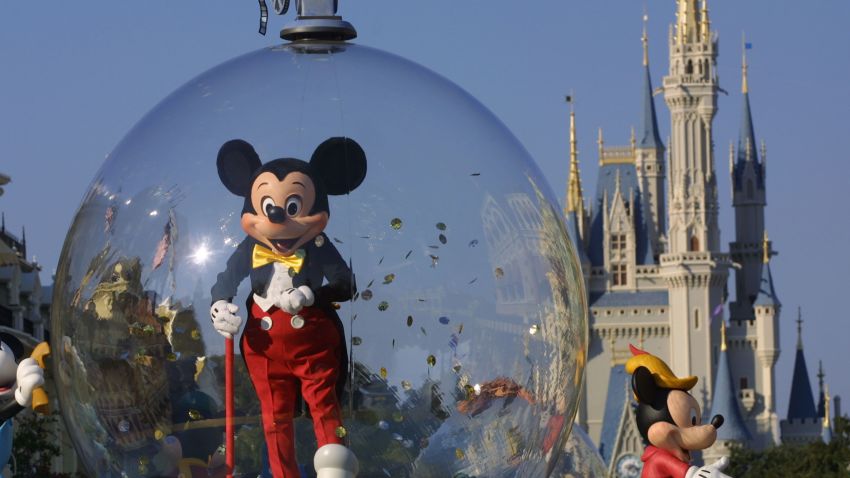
x,y
765,247
821,397
705,24
725,400
687,22
575,197
747,145
826,432
649,137
801,404
600,143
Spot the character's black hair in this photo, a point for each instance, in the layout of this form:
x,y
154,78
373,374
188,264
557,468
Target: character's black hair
x,y
652,402
13,343
338,166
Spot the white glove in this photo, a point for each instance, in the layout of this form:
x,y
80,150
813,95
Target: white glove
x,y
30,376
293,300
710,471
224,318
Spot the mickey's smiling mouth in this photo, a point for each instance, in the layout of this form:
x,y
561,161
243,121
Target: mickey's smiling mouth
x,y
284,245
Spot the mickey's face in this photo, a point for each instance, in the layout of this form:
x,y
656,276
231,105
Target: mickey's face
x,y
686,433
282,219
286,199
671,419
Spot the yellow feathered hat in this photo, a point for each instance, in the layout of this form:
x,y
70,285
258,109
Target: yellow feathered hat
x,y
661,373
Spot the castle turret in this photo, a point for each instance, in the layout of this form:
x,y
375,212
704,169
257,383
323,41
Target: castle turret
x,y
767,309
692,266
649,159
826,429
802,424
749,201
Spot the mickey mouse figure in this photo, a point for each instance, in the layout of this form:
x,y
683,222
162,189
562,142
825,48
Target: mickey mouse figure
x,y
17,380
669,420
293,340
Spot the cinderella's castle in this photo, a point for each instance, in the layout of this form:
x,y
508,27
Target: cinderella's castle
x,y
657,274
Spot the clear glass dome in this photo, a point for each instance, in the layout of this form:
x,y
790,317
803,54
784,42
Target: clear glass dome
x,y
580,458
467,337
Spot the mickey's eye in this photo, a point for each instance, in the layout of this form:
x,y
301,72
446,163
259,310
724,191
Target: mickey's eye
x,y
694,419
293,205
266,205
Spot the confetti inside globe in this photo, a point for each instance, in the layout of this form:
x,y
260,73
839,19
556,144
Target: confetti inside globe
x,y
172,225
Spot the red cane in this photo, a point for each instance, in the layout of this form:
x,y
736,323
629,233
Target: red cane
x,y
228,406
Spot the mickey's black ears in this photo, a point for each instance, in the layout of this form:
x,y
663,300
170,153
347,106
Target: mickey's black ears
x,y
341,164
643,385
13,343
237,161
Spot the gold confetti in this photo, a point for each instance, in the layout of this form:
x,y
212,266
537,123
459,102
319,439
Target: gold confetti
x,y
366,295
338,241
459,454
335,305
499,273
396,223
469,390
408,254
405,384
472,281
398,417
356,340
475,174
384,305
194,414
441,226
196,334
341,431
443,239
432,361
533,329
158,434
409,320
389,278
457,367
473,243
460,329
200,362
171,357
370,283
384,373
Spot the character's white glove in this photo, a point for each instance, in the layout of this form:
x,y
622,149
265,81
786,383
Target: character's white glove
x,y
30,376
710,471
224,318
293,300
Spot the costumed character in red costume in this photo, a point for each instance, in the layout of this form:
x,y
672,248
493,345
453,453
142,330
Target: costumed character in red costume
x,y
293,340
669,420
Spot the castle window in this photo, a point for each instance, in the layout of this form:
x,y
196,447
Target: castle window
x,y
618,241
696,319
618,273
694,243
744,383
689,69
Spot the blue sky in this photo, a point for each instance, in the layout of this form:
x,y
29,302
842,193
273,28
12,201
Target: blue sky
x,y
74,80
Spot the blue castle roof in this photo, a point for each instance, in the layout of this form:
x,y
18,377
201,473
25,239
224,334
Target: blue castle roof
x,y
725,402
606,187
767,294
802,404
648,134
618,384
747,136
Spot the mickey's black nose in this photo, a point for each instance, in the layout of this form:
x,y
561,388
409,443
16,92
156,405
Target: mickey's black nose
x,y
717,421
276,214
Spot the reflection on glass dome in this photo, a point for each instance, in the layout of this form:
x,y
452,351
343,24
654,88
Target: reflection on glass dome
x,y
467,335
580,458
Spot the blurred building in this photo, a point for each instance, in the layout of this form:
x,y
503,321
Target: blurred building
x,y
656,271
25,313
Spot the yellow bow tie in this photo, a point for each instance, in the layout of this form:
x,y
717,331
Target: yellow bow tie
x,y
263,255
